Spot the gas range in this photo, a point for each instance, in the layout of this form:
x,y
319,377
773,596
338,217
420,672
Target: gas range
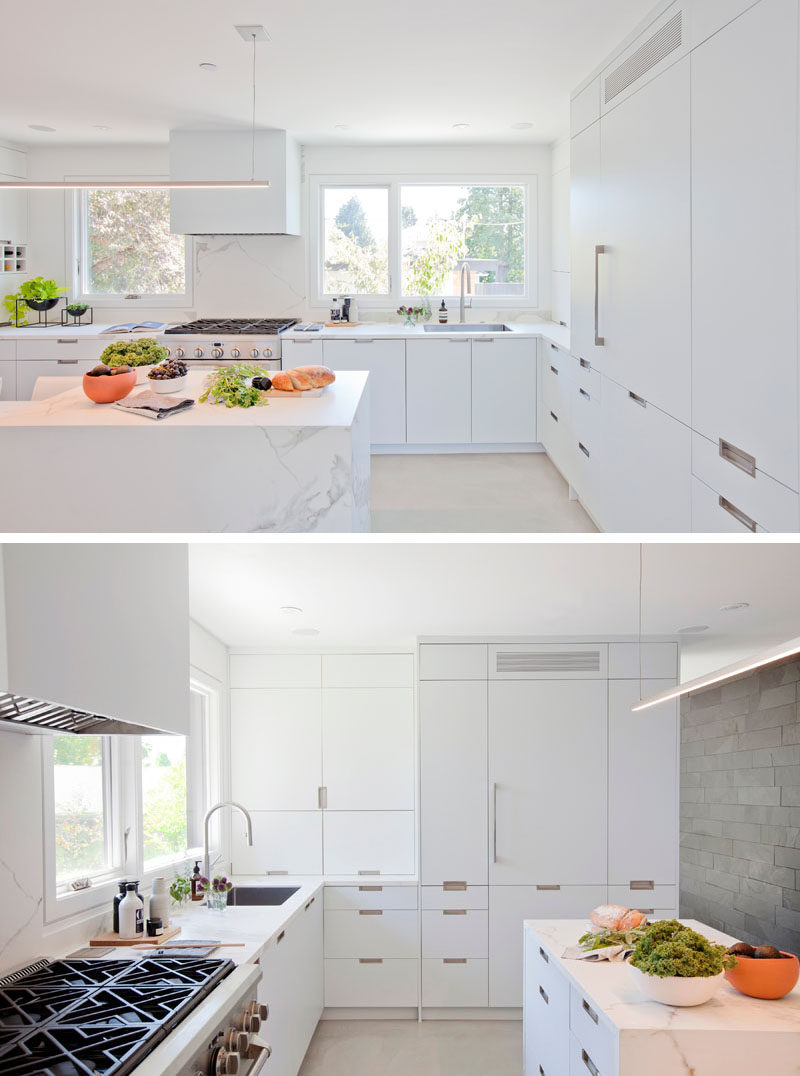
x,y
225,341
119,1017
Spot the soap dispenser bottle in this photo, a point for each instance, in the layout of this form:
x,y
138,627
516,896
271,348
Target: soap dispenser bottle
x,y
195,879
443,313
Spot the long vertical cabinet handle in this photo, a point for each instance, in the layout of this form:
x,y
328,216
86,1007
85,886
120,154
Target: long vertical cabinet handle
x,y
494,822
599,341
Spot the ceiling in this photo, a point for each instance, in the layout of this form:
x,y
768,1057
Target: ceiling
x,y
376,594
391,73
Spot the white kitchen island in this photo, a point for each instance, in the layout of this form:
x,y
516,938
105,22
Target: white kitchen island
x,y
296,464
590,1019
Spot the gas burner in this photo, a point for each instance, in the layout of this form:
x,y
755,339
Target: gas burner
x,y
122,1006
234,327
173,971
74,1051
20,1006
68,973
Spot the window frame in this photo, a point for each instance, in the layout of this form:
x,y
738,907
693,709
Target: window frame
x,y
77,252
316,215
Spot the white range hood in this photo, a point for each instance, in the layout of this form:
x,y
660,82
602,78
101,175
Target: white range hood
x,y
226,154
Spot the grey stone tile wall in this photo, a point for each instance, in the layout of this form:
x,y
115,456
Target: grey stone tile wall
x,y
740,807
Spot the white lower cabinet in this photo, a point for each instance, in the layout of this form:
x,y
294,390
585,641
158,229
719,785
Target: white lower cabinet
x,y
370,842
503,390
455,932
546,1044
305,351
452,982
385,361
8,379
439,391
714,514
509,906
29,372
372,982
346,898
454,895
284,842
593,1037
554,413
369,932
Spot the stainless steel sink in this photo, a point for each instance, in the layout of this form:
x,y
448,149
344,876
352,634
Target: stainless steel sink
x,y
474,329
260,895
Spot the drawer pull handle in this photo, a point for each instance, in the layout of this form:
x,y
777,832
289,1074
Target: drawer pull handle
x,y
67,339
454,911
322,797
541,1071
587,1008
67,362
584,450
370,889
737,514
646,911
454,960
277,872
454,887
310,903
292,340
643,883
599,341
545,998
370,960
585,394
362,874
544,955
280,937
743,460
640,400
370,911
548,888
370,341
589,1063
585,364
553,371
553,347
554,416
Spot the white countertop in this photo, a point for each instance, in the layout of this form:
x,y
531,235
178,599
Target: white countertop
x,y
50,332
611,988
548,330
335,407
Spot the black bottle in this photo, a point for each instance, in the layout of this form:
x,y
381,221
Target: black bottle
x,y
117,899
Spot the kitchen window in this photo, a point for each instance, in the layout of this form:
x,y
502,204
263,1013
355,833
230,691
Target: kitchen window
x,y
388,243
82,803
124,251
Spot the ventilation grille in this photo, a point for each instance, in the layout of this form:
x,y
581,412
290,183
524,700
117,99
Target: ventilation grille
x,y
34,715
652,52
547,661
20,973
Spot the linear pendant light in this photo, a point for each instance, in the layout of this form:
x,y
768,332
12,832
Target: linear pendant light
x,y
727,672
152,184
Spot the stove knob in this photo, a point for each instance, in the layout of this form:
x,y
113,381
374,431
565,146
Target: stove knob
x,y
260,1010
226,1063
216,352
179,352
236,1040
198,353
169,351
235,353
254,352
267,352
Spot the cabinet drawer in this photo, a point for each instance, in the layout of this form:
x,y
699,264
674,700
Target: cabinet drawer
x,y
591,1033
547,1014
583,1063
28,373
544,971
555,379
370,932
584,376
8,379
659,897
769,504
63,347
371,983
445,896
369,895
8,349
300,353
455,982
455,932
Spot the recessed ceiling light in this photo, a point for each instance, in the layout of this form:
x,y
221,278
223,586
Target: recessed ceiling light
x,y
692,629
460,126
732,607
307,632
101,127
521,126
207,67
41,127
290,610
341,126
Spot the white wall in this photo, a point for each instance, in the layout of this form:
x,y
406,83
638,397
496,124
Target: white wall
x,y
560,261
268,275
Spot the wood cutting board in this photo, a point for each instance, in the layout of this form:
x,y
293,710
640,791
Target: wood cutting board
x,y
110,938
309,393
341,324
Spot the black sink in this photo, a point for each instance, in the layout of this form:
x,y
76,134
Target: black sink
x,y
260,895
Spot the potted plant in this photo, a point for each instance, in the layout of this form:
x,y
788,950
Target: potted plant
x,y
180,889
37,294
412,314
675,965
142,353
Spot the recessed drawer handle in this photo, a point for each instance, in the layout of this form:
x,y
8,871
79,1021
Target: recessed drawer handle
x,y
370,889
737,514
280,937
553,371
277,872
293,341
553,347
640,400
310,903
584,450
67,339
67,362
548,888
743,460
454,911
370,911
541,1071
361,874
453,887
584,393
370,960
322,797
554,416
364,341
587,1008
454,960
589,1063
543,992
643,883
544,955
585,364
646,911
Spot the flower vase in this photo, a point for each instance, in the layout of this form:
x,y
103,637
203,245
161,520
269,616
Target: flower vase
x,y
217,901
427,310
410,322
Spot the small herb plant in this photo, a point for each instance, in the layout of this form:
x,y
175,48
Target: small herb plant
x,y
37,290
228,385
180,889
141,352
590,941
669,948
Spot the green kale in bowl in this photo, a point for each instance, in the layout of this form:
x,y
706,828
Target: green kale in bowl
x,y
669,948
143,351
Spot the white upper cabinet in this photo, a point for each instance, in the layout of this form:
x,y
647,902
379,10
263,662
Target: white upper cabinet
x,y
284,842
642,797
385,360
13,204
276,748
439,391
367,670
547,782
453,661
453,768
644,299
586,232
585,107
503,390
368,748
369,842
744,213
275,670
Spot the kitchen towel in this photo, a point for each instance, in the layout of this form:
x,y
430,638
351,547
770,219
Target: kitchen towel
x,y
153,405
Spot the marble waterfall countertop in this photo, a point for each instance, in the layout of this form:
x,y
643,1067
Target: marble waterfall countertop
x,y
547,330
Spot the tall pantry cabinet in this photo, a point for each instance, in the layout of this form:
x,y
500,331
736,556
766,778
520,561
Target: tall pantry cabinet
x,y
530,762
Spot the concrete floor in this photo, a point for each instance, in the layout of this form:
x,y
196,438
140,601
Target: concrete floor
x,y
514,492
406,1048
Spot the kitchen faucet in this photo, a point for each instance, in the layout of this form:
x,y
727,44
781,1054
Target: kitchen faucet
x,y
465,275
207,819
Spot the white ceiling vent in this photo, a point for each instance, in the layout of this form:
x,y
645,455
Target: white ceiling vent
x,y
548,662
656,48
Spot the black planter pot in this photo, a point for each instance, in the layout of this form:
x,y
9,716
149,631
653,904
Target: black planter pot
x,y
41,304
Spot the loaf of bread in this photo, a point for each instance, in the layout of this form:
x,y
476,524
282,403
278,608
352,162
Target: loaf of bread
x,y
615,917
303,378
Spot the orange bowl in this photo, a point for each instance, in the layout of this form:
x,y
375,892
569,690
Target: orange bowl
x,y
108,388
770,978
